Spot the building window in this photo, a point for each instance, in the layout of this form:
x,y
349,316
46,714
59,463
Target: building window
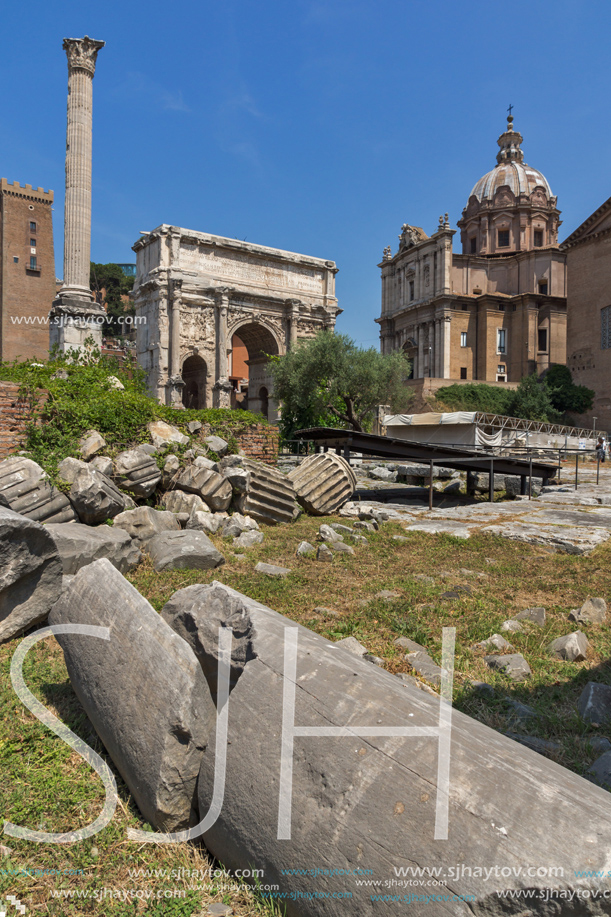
x,y
33,243
538,238
463,338
473,244
463,372
542,340
15,259
501,307
501,368
411,290
605,328
500,378
543,288
501,340
33,263
503,238
32,226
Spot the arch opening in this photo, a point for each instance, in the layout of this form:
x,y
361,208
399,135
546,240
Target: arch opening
x,y
195,376
251,346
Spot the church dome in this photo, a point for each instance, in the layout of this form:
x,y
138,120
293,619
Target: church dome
x,y
511,170
518,176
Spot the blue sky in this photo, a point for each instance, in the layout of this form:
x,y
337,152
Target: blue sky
x,y
317,126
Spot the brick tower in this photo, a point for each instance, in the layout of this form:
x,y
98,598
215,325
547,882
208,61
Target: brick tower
x,y
27,271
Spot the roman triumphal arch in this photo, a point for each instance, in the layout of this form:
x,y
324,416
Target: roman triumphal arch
x,y
212,310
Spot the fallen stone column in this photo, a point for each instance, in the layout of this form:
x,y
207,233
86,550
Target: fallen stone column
x,y
369,803
30,573
268,495
27,490
143,691
323,483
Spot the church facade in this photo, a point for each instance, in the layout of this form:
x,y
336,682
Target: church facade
x,y
211,310
496,310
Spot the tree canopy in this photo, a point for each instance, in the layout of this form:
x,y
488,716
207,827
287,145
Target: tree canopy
x,y
551,397
329,381
564,394
109,284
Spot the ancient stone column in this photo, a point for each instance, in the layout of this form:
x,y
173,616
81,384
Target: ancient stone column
x,y
74,315
175,382
420,364
293,320
222,386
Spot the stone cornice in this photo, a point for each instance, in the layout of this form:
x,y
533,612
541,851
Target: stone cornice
x,y
222,242
581,234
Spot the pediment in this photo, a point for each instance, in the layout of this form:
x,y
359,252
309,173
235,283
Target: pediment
x,y
502,215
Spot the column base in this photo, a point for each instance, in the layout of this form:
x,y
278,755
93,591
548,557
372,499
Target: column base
x,y
174,387
222,393
73,322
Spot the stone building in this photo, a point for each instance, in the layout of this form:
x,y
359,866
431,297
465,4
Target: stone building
x,y
496,311
588,255
27,270
202,300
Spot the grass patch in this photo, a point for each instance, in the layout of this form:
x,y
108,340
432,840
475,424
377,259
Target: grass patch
x,y
43,784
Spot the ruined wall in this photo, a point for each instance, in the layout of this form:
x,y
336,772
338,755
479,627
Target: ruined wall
x,y
260,442
14,415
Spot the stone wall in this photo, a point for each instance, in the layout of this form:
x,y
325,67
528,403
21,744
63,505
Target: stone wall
x,y
260,442
14,415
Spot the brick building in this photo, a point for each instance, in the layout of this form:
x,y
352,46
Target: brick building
x,y
496,311
27,270
588,254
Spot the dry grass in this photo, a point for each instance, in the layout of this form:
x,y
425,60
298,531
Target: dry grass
x,y
44,784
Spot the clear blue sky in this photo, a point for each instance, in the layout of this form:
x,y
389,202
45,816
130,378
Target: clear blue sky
x,y
317,126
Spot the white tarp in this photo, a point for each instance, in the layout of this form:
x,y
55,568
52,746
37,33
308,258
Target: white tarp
x,y
427,420
459,428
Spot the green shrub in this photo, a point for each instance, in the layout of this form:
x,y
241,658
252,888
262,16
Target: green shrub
x,y
87,400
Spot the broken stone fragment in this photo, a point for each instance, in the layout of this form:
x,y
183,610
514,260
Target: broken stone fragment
x,y
79,545
248,539
496,641
137,473
272,570
514,665
95,497
206,521
326,533
324,554
177,501
69,467
183,550
144,522
594,704
593,611
352,645
572,647
207,484
340,548
534,615
30,574
217,445
305,549
164,433
91,443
